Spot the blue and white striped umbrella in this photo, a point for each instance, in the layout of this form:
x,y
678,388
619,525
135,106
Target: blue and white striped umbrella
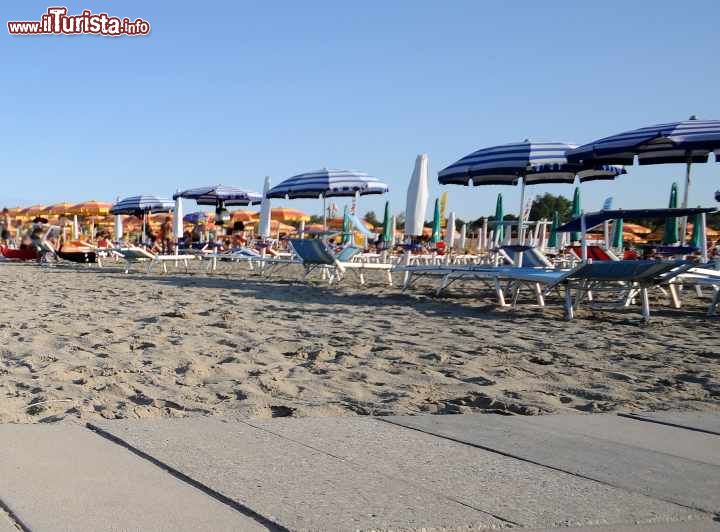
x,y
195,217
536,162
328,183
142,204
221,194
690,141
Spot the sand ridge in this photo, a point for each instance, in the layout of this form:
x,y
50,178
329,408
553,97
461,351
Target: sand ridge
x,y
87,343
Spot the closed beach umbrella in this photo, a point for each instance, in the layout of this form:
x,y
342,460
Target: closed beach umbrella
x,y
499,217
689,141
450,231
463,237
388,234
178,228
553,239
346,226
617,239
671,227
527,162
575,212
436,236
265,211
417,197
697,233
328,183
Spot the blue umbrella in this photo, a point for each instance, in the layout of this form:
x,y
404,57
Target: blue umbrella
x,y
221,195
142,205
689,141
533,162
327,183
195,217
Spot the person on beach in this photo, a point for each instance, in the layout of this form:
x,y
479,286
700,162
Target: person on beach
x,y
166,235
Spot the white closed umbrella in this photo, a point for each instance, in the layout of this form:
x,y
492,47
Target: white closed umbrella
x,y
118,226
178,221
394,228
265,211
417,197
450,231
75,228
463,237
301,230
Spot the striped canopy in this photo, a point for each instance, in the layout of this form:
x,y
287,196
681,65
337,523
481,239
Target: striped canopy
x,y
216,194
143,204
677,142
536,162
328,183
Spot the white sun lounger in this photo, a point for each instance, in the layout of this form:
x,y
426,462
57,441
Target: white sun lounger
x,y
135,255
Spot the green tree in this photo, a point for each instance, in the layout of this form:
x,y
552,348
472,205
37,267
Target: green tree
x,y
371,218
545,206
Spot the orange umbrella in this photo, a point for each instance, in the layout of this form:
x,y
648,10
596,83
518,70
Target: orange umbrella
x,y
244,216
636,228
14,211
35,210
60,209
284,214
91,208
314,227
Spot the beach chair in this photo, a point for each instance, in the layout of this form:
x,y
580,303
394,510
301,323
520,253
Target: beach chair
x,y
627,278
698,278
314,255
136,255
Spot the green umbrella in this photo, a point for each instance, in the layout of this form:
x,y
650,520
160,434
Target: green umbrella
x,y
436,237
553,240
388,229
697,234
671,226
617,239
575,213
346,226
499,217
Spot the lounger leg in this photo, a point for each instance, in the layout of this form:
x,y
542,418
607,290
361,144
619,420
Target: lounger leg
x,y
569,310
516,295
362,278
389,277
500,294
713,306
674,296
443,285
645,304
698,290
539,294
589,295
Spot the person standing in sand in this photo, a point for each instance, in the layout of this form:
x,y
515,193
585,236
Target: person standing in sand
x,y
166,235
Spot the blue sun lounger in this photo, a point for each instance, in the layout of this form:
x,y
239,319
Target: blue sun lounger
x,y
315,255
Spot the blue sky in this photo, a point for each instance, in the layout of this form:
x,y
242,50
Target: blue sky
x,y
228,92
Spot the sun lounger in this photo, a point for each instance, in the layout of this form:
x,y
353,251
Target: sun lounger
x,y
315,255
698,278
135,255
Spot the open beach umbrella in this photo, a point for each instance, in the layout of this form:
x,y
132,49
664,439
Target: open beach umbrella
x,y
196,217
34,210
220,194
553,238
285,214
328,183
142,205
689,141
637,229
91,208
388,234
499,217
266,211
417,197
575,212
436,235
618,235
60,209
527,162
671,227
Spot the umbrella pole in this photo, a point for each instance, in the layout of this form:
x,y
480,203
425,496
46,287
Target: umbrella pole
x,y
324,215
683,221
521,229
703,235
583,242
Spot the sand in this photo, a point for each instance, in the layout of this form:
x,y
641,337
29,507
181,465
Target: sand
x,y
88,343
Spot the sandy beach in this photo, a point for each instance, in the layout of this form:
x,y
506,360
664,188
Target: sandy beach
x,y
91,343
